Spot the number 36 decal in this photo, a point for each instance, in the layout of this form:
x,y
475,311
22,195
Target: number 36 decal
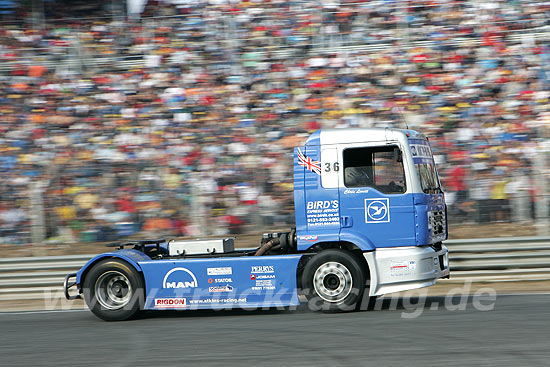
x,y
332,167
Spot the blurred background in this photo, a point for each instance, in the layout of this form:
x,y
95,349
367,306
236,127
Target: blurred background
x,y
148,118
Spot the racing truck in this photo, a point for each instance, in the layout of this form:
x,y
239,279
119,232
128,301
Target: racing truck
x,y
370,219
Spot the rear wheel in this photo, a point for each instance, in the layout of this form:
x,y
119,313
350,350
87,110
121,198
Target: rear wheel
x,y
113,290
333,281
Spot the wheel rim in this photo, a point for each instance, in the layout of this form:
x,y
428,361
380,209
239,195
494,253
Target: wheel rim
x,y
113,290
333,282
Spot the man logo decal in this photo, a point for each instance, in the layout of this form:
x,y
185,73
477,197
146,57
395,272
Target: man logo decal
x,y
377,210
179,278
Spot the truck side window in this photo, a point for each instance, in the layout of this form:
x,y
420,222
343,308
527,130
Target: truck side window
x,y
377,167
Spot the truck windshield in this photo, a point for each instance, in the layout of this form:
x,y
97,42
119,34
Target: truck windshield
x,y
428,177
425,166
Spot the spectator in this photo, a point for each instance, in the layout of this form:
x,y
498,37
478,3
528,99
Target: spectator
x,y
184,120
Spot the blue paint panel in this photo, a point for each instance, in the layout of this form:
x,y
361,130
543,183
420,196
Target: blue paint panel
x,y
423,160
380,220
418,141
248,282
422,204
306,239
321,207
299,194
423,235
414,135
314,139
358,238
312,179
367,218
131,256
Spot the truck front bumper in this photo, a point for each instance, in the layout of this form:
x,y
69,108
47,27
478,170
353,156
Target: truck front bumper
x,y
399,269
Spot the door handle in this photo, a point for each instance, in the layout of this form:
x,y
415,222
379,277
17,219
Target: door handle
x,y
346,221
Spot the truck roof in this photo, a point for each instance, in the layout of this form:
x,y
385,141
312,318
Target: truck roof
x,y
358,135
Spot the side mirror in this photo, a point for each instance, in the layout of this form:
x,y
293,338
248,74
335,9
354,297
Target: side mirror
x,y
397,156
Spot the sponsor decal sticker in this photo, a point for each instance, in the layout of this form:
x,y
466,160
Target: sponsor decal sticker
x,y
421,151
170,302
219,271
259,269
216,301
405,267
398,265
264,282
356,191
308,163
220,288
223,280
377,210
310,238
266,276
180,278
323,213
210,281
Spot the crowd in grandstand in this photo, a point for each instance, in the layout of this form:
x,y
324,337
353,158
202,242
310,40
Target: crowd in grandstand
x,y
188,128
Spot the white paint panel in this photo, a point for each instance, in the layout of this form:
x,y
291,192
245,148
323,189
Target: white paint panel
x,y
330,167
343,136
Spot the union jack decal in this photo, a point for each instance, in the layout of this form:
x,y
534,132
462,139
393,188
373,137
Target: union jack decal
x,y
313,166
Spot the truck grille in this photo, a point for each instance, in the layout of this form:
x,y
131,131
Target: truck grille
x,y
436,224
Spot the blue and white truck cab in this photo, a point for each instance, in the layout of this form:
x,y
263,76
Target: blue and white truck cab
x,y
370,219
376,190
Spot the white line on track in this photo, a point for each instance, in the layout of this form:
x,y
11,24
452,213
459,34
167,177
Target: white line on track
x,y
38,312
85,309
523,294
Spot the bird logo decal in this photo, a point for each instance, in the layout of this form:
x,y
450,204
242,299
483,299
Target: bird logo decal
x,y
377,210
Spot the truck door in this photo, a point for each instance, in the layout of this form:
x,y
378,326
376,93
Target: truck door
x,y
322,204
374,203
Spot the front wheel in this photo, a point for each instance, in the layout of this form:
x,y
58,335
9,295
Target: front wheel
x,y
333,281
113,290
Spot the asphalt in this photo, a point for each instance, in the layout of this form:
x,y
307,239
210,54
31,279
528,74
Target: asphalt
x,y
436,331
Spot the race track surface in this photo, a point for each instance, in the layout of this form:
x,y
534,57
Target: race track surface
x,y
516,332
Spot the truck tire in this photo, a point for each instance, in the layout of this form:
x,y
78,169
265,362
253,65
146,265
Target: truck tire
x,y
333,281
113,290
